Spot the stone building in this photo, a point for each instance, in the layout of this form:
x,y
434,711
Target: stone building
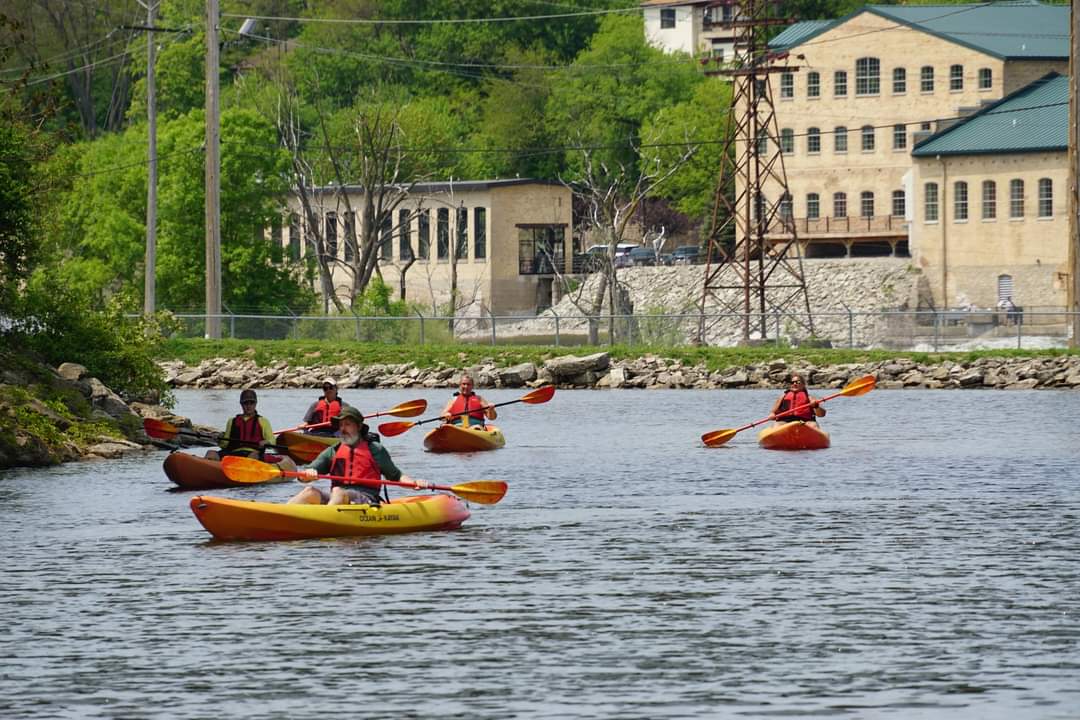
x,y
865,88
506,239
990,222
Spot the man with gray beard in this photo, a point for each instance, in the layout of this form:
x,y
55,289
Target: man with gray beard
x,y
359,461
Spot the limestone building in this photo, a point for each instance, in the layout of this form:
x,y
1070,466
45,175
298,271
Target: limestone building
x,y
865,88
505,238
990,221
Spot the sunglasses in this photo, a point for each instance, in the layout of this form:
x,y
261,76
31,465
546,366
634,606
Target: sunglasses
x,y
248,402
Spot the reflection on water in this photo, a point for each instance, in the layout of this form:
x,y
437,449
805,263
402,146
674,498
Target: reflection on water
x,y
925,566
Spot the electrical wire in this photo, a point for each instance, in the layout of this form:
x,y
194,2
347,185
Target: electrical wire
x,y
437,21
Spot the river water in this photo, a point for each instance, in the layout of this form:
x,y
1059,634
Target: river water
x,y
926,566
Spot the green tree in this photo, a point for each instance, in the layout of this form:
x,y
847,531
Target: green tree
x,y
20,148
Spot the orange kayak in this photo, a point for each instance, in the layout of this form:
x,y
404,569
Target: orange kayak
x,y
796,435
454,438
192,472
227,519
304,448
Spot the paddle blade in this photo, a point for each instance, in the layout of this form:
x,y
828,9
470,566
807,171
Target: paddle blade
x,y
484,492
248,470
406,409
539,395
860,386
391,429
716,438
160,429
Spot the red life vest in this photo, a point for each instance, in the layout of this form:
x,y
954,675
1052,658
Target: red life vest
x,y
246,431
797,400
461,404
324,411
357,464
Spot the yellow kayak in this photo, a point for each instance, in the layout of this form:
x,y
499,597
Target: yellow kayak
x,y
455,438
227,519
797,435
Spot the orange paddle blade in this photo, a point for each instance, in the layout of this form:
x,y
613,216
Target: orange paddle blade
x,y
248,470
717,438
484,492
539,395
391,429
411,408
160,429
860,386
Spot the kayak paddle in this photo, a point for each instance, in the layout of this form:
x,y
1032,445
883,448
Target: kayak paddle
x,y
412,408
859,386
162,430
247,470
539,395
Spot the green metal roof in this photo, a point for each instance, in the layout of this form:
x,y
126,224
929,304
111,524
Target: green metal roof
x,y
1021,29
1035,118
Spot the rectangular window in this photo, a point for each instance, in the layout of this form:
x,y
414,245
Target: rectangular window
x,y
787,141
462,246
813,85
930,202
899,203
989,200
276,240
813,206
926,79
541,249
839,205
986,78
762,145
956,78
787,86
899,137
899,81
1016,198
813,141
331,235
960,201
867,76
667,18
442,234
294,236
350,236
480,233
840,139
840,83
386,237
868,138
423,234
1046,197
404,221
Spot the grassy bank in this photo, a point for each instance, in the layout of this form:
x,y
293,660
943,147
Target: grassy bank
x,y
300,353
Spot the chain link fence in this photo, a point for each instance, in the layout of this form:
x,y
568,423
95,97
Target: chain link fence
x,y
926,331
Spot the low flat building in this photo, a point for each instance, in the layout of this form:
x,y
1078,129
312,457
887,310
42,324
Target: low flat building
x,y
508,238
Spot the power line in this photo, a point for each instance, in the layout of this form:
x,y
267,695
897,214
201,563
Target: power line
x,y
437,21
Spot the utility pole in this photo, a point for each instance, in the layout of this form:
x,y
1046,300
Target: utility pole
x,y
150,281
1074,158
213,177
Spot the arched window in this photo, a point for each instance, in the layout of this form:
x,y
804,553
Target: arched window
x,y
867,76
840,139
986,79
813,206
1016,198
960,201
899,81
989,200
956,77
866,204
926,79
839,205
813,140
787,141
813,84
840,83
899,203
1046,197
868,138
930,202
787,86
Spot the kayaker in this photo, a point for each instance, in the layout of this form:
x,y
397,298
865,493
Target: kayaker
x,y
466,401
796,403
358,457
324,409
247,433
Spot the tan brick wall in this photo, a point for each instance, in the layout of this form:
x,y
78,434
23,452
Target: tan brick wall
x,y
963,259
882,170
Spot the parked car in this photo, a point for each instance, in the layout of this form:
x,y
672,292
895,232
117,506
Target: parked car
x,y
643,256
685,255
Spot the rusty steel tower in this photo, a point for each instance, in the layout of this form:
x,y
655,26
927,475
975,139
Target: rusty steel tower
x,y
753,257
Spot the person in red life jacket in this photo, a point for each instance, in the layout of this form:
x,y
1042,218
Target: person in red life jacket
x,y
360,459
325,409
247,433
796,403
466,407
